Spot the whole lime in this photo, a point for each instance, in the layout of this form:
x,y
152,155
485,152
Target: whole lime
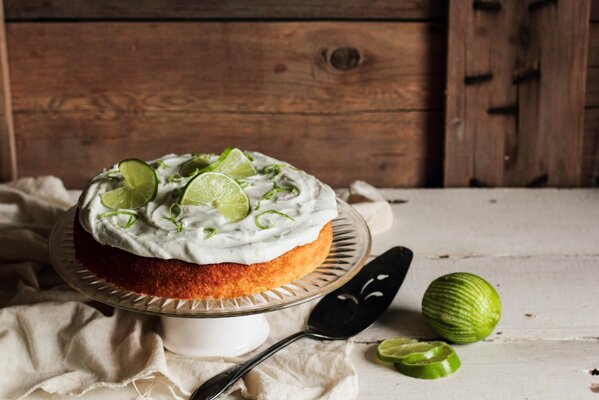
x,y
461,307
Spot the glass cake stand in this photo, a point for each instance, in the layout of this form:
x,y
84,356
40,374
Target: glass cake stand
x,y
219,327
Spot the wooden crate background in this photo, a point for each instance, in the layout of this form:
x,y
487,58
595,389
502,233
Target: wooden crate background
x,y
343,89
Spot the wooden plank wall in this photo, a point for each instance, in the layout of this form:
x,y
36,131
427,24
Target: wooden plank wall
x,y
343,92
516,93
346,90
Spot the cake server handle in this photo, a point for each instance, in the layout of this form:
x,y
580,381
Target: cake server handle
x,y
213,387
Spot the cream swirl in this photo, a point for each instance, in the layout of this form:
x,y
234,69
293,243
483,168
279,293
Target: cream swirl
x,y
155,235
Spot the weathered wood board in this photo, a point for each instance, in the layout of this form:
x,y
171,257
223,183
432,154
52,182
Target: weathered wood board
x,y
8,156
493,222
182,9
516,93
299,91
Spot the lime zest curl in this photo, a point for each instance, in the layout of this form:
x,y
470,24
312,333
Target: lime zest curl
x,y
276,189
210,231
174,211
132,220
262,226
161,164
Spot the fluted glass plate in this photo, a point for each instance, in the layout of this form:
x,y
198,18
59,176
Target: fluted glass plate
x,y
348,254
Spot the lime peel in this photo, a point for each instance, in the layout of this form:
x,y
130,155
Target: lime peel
x,y
262,226
140,186
423,360
461,307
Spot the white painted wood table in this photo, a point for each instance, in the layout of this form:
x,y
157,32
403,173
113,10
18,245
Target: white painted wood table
x,y
539,248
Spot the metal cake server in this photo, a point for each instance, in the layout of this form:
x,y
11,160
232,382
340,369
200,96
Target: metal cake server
x,y
340,314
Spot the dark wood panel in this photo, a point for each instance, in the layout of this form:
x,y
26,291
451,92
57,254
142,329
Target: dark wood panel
x,y
233,67
386,149
84,99
595,10
590,160
218,9
8,163
516,97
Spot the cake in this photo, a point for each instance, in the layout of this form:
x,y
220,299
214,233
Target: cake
x,y
204,226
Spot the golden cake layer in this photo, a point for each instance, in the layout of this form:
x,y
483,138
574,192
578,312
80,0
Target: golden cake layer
x,y
183,280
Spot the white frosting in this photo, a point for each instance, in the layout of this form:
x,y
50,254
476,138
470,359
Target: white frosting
x,y
154,235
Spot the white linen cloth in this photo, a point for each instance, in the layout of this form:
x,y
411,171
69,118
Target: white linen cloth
x,y
54,340
373,207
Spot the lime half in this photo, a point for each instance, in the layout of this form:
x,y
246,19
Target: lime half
x,y
196,164
219,191
234,163
397,349
438,363
140,186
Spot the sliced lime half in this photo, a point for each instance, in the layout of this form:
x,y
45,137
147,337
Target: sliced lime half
x,y
234,163
140,186
195,165
219,191
437,363
397,349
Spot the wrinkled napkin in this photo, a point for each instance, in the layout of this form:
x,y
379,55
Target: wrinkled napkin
x,y
371,205
56,340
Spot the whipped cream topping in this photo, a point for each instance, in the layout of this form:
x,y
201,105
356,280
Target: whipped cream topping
x,y
155,234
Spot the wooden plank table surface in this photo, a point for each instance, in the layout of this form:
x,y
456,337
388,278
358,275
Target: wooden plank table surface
x,y
538,247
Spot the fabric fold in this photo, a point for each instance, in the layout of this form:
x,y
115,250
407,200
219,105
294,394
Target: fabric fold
x,y
55,340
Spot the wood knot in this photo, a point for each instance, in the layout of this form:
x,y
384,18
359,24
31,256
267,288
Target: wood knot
x,y
345,58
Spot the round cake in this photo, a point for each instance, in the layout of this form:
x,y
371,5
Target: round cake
x,y
199,226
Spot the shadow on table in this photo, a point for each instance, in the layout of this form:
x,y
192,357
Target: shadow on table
x,y
407,323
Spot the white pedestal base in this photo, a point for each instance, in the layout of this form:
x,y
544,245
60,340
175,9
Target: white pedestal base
x,y
231,336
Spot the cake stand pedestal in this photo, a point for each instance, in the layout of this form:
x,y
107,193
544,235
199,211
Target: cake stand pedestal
x,y
229,337
219,327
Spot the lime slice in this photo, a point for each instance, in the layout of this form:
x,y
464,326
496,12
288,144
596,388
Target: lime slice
x,y
140,186
397,349
221,192
437,363
196,164
461,307
234,163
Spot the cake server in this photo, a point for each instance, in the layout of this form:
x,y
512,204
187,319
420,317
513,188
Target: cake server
x,y
339,315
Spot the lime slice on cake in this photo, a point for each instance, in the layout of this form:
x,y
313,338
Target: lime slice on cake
x,y
195,165
234,163
140,186
219,191
437,363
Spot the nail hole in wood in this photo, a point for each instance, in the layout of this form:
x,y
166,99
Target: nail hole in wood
x,y
478,79
345,58
511,109
537,5
491,6
526,75
477,183
539,181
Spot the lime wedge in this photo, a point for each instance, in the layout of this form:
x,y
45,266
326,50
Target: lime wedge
x,y
194,165
397,349
234,163
221,192
140,186
437,363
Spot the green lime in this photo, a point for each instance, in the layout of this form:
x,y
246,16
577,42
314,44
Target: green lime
x,y
439,362
221,192
196,164
396,349
234,163
461,307
140,186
